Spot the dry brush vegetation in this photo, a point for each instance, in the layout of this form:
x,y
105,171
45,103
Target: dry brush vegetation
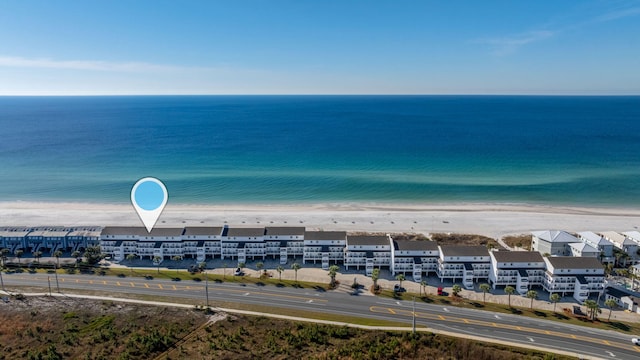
x,y
50,329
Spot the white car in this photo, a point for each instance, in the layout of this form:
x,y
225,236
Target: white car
x,y
636,341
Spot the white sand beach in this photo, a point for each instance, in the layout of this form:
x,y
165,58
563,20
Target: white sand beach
x,y
492,220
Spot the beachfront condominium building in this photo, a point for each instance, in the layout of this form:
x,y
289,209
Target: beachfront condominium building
x,y
624,245
604,246
625,298
635,237
552,242
520,269
13,238
581,276
160,243
47,239
324,246
243,242
82,237
202,242
466,263
368,251
414,257
286,240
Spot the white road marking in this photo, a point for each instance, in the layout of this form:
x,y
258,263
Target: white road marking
x,y
531,339
310,301
246,294
445,309
398,302
497,317
610,353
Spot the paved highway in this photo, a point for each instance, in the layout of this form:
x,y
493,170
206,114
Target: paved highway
x,y
505,327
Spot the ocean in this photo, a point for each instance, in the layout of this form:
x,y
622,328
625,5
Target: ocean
x,y
564,150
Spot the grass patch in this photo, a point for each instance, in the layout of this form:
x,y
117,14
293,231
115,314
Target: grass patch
x,y
518,241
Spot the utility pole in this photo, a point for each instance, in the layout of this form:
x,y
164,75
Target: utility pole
x,y
2,280
414,315
49,280
206,288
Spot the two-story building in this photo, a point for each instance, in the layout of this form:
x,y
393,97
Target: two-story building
x,y
466,263
82,237
160,243
581,276
599,242
552,242
623,244
289,241
520,269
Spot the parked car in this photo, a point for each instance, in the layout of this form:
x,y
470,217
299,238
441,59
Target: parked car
x,y
636,341
238,272
397,288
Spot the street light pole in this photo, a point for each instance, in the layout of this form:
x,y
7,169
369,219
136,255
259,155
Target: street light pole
x,y
57,283
2,280
49,280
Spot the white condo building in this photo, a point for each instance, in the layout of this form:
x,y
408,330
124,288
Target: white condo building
x,y
581,276
368,251
325,246
466,263
520,269
414,257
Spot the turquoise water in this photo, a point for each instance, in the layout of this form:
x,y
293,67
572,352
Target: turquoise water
x,y
315,149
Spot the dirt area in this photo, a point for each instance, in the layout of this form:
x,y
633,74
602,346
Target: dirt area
x,y
518,241
464,239
59,328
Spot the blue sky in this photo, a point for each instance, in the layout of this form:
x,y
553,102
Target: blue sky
x,y
319,47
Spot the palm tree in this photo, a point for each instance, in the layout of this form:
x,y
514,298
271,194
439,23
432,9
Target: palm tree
x,y
485,289
260,266
18,253
76,255
510,290
37,255
375,275
202,265
624,273
423,287
177,258
456,289
610,303
156,260
4,253
592,308
295,266
57,254
333,271
554,298
280,269
400,278
130,257
532,294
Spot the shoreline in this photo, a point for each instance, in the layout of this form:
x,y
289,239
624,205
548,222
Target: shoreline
x,y
487,219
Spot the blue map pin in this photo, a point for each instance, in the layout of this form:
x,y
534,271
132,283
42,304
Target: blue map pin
x,y
148,197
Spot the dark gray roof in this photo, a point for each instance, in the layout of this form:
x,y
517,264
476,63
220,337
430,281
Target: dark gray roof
x,y
517,256
141,231
572,262
425,245
452,250
325,235
367,240
239,231
202,230
284,230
